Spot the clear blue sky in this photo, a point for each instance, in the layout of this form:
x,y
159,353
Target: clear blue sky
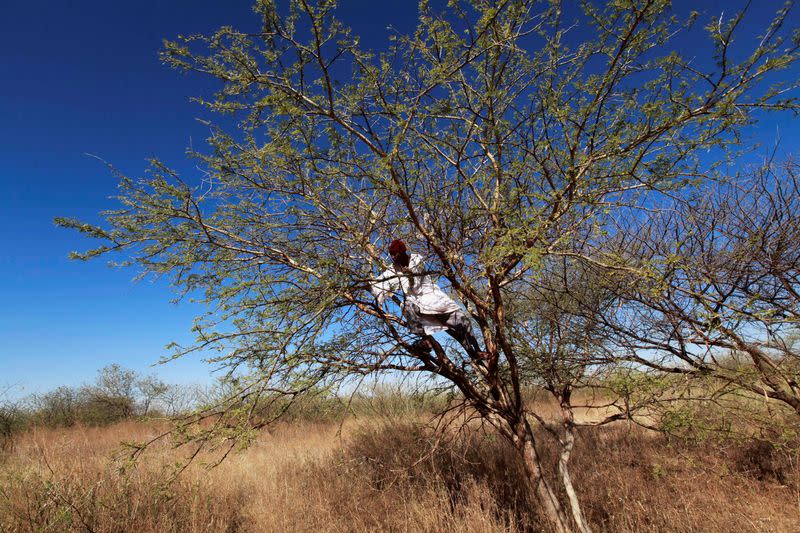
x,y
84,77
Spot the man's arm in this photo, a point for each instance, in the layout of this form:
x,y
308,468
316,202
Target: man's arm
x,y
416,265
385,285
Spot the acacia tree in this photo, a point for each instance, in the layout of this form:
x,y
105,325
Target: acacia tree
x,y
563,350
719,294
497,135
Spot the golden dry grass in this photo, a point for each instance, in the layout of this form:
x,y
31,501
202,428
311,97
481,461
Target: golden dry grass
x,y
380,475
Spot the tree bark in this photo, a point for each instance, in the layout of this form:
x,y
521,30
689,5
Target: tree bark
x,y
566,479
550,506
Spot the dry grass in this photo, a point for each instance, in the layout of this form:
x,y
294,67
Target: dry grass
x,y
389,476
635,481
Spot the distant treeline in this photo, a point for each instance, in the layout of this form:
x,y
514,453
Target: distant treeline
x,y
116,394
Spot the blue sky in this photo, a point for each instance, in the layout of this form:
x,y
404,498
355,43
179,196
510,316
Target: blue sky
x,y
84,78
80,78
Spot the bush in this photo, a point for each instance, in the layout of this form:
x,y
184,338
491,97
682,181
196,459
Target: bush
x,y
99,409
117,394
57,408
762,460
12,420
412,456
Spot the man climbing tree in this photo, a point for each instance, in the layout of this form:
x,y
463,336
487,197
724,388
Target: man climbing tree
x,y
504,135
426,308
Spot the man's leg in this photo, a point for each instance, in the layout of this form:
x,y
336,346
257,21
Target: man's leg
x,y
460,328
411,315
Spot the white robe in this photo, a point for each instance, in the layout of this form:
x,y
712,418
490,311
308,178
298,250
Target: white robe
x,y
423,293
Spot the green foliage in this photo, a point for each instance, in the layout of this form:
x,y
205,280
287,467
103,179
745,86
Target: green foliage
x,y
685,421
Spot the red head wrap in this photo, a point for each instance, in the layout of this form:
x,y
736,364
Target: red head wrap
x,y
399,254
397,247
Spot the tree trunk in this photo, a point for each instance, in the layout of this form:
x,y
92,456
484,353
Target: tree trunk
x,y
566,480
550,506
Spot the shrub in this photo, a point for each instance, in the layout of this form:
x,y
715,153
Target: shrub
x,y
414,457
12,420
